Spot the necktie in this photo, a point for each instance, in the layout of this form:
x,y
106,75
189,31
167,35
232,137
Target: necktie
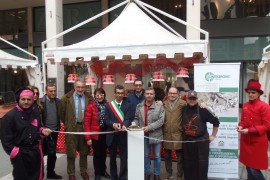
x,y
118,105
79,109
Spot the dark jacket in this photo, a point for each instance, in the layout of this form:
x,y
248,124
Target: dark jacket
x,y
44,114
159,94
110,118
194,122
134,100
17,129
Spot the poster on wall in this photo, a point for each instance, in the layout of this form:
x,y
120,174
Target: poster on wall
x,y
218,86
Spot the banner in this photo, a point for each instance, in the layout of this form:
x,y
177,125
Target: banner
x,y
218,86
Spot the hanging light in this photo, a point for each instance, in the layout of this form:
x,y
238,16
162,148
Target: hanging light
x,y
72,78
130,78
158,76
90,80
108,79
182,72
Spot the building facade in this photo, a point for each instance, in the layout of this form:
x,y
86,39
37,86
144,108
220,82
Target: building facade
x,y
238,29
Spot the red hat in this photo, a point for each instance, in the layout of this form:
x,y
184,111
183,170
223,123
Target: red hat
x,y
254,85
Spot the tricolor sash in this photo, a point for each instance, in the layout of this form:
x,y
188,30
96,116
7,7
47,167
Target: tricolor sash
x,y
117,111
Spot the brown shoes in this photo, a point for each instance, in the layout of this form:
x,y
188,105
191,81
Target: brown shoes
x,y
85,176
71,177
147,177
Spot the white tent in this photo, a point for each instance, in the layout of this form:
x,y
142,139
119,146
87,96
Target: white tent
x,y
132,33
264,74
8,60
31,66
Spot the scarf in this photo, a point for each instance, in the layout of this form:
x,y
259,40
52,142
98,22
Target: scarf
x,y
101,111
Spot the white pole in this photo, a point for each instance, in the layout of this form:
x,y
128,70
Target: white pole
x,y
135,155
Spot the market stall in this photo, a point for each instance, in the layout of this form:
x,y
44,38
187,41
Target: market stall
x,y
30,66
136,39
133,44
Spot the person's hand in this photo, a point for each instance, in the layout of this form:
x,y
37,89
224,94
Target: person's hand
x,y
145,129
159,103
124,128
211,138
243,131
117,126
239,128
203,105
46,131
89,142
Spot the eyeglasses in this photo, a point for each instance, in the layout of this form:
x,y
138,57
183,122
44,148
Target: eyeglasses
x,y
192,98
99,95
79,87
36,93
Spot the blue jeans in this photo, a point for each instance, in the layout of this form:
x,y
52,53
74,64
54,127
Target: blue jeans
x,y
157,159
254,174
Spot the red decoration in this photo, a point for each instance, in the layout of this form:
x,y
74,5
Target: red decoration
x,y
158,76
130,78
182,72
108,79
90,80
97,67
152,65
72,78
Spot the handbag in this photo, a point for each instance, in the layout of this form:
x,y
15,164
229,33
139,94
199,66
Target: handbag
x,y
49,146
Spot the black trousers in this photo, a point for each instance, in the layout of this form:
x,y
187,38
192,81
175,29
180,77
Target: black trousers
x,y
196,157
99,158
119,140
51,160
27,164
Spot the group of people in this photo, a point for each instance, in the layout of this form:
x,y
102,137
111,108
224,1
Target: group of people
x,y
180,125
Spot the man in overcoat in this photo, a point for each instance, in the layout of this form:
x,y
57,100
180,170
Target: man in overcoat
x,y
72,107
172,131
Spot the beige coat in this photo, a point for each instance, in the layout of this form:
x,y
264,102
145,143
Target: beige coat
x,y
172,130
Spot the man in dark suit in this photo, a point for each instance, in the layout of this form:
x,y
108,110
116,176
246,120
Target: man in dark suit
x,y
118,118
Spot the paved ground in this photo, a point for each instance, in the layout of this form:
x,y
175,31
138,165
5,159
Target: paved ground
x,y
6,168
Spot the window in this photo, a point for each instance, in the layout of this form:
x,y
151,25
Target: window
x,y
13,22
226,9
176,8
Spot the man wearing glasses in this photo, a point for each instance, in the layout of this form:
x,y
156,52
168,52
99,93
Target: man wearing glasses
x,y
137,96
196,154
117,118
172,131
51,119
72,107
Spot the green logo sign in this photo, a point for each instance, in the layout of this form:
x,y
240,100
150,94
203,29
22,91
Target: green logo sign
x,y
209,76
